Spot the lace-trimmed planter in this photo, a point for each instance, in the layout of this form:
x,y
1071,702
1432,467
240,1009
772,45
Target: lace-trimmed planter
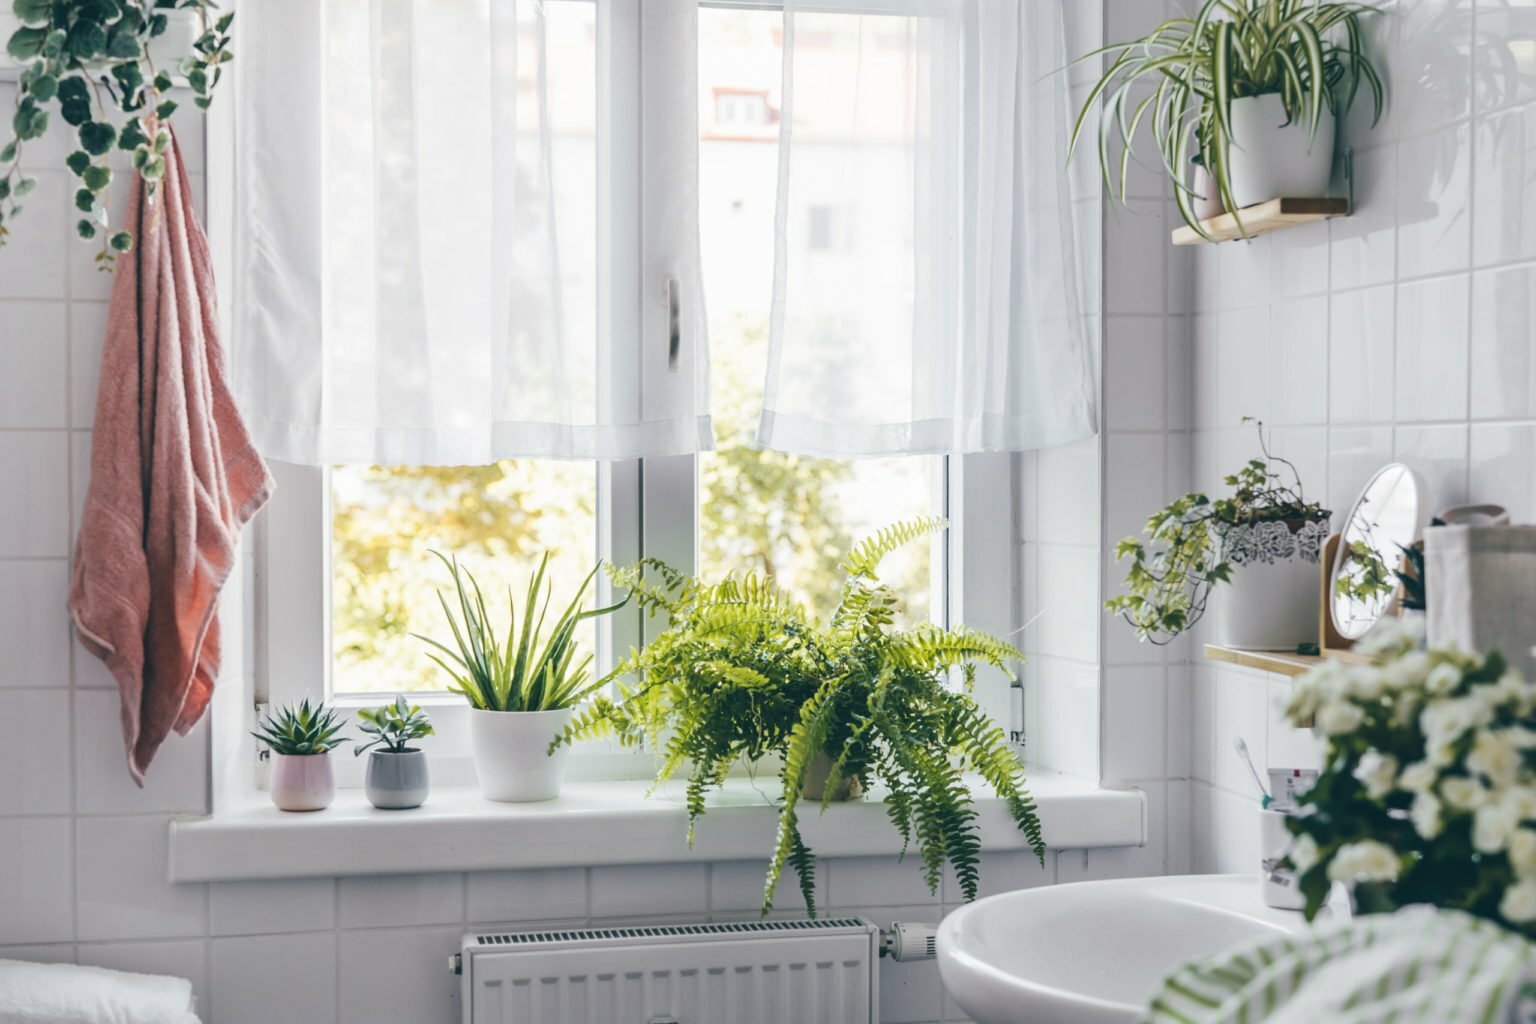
x,y
1272,602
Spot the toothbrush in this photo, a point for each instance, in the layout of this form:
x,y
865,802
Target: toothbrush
x,y
1241,746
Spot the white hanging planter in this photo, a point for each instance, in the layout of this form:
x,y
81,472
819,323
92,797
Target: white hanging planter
x,y
1271,159
512,759
1272,602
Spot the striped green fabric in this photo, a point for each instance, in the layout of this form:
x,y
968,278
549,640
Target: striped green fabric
x,y
1420,964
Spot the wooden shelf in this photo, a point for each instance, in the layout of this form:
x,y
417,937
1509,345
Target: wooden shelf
x,y
1261,219
1282,663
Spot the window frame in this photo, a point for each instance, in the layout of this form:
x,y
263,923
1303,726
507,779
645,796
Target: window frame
x,y
646,507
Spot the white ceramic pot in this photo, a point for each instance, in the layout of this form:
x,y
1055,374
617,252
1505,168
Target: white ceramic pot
x,y
1270,159
1207,197
301,782
511,748
1273,600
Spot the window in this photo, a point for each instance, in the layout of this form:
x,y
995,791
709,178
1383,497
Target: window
x,y
349,573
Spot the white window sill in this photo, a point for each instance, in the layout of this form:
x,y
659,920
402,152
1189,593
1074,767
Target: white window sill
x,y
594,823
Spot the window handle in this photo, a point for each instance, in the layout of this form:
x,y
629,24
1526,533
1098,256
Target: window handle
x,y
674,323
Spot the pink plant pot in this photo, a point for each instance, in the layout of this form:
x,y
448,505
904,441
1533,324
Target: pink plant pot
x,y
302,782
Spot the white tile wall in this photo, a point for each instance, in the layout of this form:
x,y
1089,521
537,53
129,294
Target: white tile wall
x,y
1427,352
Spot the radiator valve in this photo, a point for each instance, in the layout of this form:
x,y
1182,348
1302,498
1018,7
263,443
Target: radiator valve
x,y
905,941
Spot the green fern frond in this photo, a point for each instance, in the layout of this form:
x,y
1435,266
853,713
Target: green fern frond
x,y
932,648
864,560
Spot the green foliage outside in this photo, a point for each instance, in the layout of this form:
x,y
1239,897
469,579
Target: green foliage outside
x,y
783,515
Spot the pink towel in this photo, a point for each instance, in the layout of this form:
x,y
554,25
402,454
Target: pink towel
x,y
173,477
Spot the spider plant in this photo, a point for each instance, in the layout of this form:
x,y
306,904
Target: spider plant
x,y
525,672
1181,79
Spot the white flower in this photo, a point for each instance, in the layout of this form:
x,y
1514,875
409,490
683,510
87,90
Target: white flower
x,y
1406,672
1418,777
1377,772
1445,721
1366,682
1443,678
1522,852
1519,903
1493,825
1391,636
1303,854
1495,756
1462,793
1338,717
1426,815
1365,861
1521,802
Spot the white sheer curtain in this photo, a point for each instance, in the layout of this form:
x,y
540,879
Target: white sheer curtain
x,y
938,308
425,224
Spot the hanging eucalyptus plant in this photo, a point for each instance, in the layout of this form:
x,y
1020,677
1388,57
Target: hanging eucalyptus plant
x,y
89,58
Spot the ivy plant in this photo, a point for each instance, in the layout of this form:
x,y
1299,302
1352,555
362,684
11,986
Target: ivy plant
x,y
1187,552
743,672
85,60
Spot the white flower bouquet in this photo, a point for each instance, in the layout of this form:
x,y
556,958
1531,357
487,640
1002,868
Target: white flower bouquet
x,y
1428,792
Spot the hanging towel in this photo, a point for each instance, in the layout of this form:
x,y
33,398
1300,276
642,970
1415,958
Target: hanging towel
x,y
1421,964
67,994
173,477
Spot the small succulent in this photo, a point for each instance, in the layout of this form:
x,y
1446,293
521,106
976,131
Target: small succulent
x,y
393,727
301,729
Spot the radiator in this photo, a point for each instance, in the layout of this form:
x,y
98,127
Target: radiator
x,y
758,972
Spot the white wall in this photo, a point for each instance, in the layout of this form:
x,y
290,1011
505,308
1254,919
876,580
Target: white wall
x,y
1404,332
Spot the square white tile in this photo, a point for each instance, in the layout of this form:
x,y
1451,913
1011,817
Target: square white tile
x,y
246,971
1361,383
87,332
1433,203
1135,701
398,974
1135,247
1298,362
120,883
512,897
634,890
32,261
36,887
1432,349
34,501
1133,373
177,779
35,760
375,901
34,362
1363,246
272,907
1503,359
34,628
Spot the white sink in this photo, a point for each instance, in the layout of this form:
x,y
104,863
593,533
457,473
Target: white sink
x,y
1094,952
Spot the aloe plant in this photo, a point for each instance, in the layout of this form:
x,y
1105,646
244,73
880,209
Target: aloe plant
x,y
393,727
1181,78
299,729
524,672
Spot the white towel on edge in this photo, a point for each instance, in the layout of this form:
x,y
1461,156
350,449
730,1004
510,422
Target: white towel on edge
x,y
69,994
1421,964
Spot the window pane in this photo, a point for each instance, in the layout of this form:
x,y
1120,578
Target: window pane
x,y
792,517
497,520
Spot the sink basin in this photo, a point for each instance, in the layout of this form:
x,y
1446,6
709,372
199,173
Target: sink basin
x,y
1094,952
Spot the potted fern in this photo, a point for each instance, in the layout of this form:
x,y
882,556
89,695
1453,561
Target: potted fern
x,y
1264,541
299,739
94,60
1247,90
521,691
397,777
851,705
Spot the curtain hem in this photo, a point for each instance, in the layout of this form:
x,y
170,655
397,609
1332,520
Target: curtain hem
x,y
432,446
800,435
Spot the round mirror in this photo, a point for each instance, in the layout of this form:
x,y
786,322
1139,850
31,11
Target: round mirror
x,y
1384,520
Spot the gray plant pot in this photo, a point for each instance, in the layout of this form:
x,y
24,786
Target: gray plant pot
x,y
396,781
